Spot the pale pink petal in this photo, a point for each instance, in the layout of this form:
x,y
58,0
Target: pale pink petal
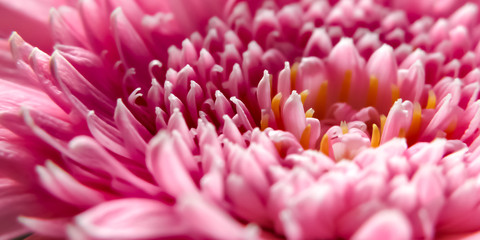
x,y
165,164
130,218
388,224
293,115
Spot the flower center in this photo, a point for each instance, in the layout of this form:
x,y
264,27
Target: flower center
x,y
337,125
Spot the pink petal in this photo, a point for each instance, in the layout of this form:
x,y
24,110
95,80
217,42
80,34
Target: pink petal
x,y
73,83
132,132
167,168
47,227
385,225
132,48
64,186
383,66
264,97
106,134
293,115
67,28
215,223
130,218
90,154
245,201
32,21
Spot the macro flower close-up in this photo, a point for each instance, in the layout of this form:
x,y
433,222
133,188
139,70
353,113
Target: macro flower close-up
x,y
240,119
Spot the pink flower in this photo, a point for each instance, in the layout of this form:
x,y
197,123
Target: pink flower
x,y
240,119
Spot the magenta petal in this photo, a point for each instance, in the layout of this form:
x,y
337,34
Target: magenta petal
x,y
48,227
132,49
32,27
131,130
240,119
14,200
67,188
72,82
40,64
319,44
67,27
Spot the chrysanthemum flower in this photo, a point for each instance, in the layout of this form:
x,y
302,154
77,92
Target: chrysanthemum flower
x,y
352,119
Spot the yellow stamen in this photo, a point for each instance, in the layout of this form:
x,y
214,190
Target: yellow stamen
x,y
432,100
395,93
293,75
416,120
276,105
345,90
264,121
321,101
383,119
324,145
375,142
372,91
344,127
305,138
309,113
402,133
304,95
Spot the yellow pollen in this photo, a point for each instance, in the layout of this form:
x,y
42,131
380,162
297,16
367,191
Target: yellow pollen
x,y
383,119
345,90
432,100
344,127
276,105
375,142
264,121
293,75
372,91
395,93
309,113
416,120
305,138
304,95
402,133
321,101
324,144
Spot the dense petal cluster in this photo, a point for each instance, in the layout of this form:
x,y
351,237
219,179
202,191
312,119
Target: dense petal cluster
x,y
311,119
